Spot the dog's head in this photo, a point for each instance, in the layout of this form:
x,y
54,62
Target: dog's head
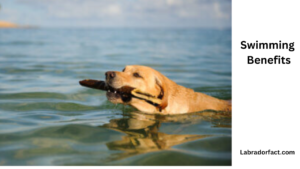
x,y
144,79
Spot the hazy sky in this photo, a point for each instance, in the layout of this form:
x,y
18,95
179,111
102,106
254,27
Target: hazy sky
x,y
118,13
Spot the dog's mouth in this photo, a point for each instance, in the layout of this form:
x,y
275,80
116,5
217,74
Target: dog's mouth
x,y
112,93
125,93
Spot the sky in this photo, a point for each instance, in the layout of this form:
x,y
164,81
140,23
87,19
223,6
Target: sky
x,y
118,13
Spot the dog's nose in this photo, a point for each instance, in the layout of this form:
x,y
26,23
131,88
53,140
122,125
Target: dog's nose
x,y
110,75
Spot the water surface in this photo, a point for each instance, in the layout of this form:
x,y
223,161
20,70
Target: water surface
x,y
47,118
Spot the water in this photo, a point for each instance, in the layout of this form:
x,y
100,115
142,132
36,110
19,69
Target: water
x,y
47,118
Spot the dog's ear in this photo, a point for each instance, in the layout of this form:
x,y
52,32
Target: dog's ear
x,y
162,85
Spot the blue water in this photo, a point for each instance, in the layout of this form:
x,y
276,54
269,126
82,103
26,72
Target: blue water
x,y
47,118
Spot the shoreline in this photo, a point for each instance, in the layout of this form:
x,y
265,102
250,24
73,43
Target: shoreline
x,y
9,25
5,24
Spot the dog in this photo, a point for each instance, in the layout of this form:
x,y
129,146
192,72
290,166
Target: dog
x,y
174,99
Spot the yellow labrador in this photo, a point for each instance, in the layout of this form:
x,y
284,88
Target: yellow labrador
x,y
151,92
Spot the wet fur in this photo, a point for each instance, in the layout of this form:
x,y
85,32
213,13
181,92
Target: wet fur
x,y
176,99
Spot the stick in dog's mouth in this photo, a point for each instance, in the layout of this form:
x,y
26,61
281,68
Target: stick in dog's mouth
x,y
125,90
95,84
146,96
101,85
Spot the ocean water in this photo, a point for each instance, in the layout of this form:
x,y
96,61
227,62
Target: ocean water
x,y
47,118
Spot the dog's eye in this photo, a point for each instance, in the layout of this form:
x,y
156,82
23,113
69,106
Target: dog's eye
x,y
123,70
136,75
